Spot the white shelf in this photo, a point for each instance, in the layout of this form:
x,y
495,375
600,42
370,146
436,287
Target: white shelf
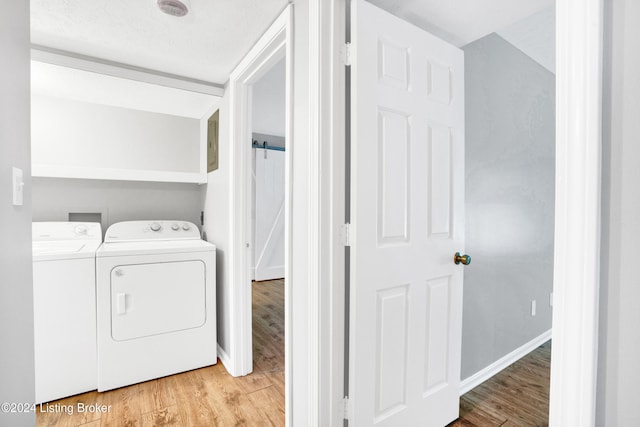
x,y
98,121
54,171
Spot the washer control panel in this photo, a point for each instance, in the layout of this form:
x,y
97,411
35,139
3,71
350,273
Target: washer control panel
x,y
62,230
131,231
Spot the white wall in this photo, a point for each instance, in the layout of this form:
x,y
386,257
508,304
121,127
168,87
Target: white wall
x,y
55,198
217,204
268,99
510,178
16,287
619,343
67,132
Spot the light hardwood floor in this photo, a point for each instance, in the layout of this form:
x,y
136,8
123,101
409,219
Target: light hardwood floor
x,y
204,397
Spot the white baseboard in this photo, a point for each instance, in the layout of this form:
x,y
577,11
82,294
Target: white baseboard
x,y
270,273
497,366
228,365
224,358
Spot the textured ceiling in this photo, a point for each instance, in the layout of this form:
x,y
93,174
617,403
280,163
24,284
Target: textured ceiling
x,y
204,45
208,42
462,21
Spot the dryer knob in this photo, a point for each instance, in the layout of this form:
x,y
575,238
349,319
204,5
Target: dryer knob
x,y
185,226
175,227
155,226
81,229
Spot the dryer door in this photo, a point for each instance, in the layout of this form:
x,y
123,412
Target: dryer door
x,y
157,298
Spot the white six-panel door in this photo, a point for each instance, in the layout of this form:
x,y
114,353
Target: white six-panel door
x,y
407,222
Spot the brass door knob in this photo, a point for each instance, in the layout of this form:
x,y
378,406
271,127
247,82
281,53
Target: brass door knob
x,y
464,259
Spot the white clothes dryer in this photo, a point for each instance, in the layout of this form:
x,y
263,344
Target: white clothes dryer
x,y
64,308
156,300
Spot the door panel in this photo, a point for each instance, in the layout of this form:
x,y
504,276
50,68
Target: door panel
x,y
391,354
439,202
393,188
407,166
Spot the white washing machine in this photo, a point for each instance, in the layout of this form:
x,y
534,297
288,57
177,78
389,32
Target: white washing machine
x,y
64,305
155,302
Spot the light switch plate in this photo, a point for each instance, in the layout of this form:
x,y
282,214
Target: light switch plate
x,y
18,187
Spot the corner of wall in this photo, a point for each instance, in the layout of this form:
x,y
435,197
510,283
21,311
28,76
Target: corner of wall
x,y
216,200
16,286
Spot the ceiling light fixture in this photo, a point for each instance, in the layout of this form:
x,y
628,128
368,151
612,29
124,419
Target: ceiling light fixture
x,y
174,7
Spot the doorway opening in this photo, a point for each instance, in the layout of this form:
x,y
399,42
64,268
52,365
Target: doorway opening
x,y
510,156
577,212
266,224
268,60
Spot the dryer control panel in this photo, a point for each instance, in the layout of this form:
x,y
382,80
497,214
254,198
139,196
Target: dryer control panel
x,y
137,231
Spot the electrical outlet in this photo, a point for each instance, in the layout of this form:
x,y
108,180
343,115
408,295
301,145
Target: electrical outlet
x,y
533,308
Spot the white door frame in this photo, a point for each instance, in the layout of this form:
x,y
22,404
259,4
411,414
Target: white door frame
x,y
314,384
574,354
579,28
271,48
579,32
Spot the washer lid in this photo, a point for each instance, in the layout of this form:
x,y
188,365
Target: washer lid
x,y
154,247
53,250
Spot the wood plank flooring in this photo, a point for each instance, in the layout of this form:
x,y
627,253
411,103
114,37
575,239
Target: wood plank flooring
x,y
517,396
207,397
204,397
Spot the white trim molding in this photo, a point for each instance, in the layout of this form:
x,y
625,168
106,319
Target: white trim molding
x,y
314,301
223,356
266,52
318,213
333,212
579,28
115,69
483,375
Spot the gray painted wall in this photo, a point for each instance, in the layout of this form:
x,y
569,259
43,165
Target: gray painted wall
x,y
510,175
16,289
54,198
619,344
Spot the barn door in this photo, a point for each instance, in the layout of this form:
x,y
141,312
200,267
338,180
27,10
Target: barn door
x,y
269,214
407,223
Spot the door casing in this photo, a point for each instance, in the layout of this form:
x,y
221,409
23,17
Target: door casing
x,y
271,48
579,28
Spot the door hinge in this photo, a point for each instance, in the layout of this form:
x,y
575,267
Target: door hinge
x,y
345,402
346,54
346,234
